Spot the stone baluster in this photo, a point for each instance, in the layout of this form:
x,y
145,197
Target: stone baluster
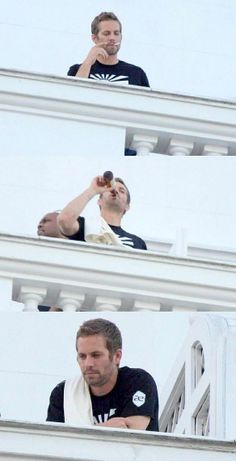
x,y
107,304
210,150
70,301
31,297
179,147
144,144
146,306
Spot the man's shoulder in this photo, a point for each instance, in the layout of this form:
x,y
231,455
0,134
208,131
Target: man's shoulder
x,y
59,388
134,373
130,66
73,70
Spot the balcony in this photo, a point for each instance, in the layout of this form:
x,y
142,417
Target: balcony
x,y
141,119
77,276
22,440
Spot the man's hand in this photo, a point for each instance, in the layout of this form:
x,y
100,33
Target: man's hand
x,y
99,185
131,422
95,52
115,422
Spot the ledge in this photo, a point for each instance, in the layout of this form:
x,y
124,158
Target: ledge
x,y
109,271
137,109
57,441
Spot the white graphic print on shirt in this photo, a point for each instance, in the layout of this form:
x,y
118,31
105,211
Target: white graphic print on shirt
x,y
110,78
139,398
105,417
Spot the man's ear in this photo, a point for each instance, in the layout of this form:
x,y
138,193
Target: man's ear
x,y
94,38
117,357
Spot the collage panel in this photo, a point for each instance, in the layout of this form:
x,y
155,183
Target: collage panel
x,y
117,220
189,356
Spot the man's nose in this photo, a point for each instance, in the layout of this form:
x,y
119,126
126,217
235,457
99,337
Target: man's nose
x,y
89,362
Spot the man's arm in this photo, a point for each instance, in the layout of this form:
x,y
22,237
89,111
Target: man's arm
x,y
131,422
55,411
68,218
94,53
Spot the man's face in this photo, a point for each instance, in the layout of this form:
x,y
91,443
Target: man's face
x,y
109,36
96,365
116,199
48,226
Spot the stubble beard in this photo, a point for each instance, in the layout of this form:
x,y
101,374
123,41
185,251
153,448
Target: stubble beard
x,y
112,50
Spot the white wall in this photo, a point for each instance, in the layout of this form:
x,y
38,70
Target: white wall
x,y
184,46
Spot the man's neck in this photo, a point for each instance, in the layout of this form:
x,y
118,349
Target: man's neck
x,y
110,60
111,218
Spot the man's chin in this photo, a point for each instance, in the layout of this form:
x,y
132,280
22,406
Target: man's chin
x,y
112,51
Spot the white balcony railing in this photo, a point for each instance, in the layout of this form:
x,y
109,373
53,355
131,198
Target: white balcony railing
x,y
199,395
78,276
21,440
143,119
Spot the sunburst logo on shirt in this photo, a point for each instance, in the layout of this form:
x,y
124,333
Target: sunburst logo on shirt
x,y
110,77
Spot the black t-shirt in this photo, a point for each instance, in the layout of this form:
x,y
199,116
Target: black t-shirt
x,y
122,72
134,394
126,238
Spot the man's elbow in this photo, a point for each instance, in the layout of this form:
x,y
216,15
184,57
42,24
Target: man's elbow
x,y
137,422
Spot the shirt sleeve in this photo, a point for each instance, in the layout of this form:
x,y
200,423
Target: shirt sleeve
x,y
79,235
73,70
140,395
56,404
144,79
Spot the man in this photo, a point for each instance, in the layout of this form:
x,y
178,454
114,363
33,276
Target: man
x,y
102,62
105,394
113,203
48,227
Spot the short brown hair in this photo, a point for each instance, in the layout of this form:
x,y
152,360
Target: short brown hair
x,y
104,328
127,190
104,16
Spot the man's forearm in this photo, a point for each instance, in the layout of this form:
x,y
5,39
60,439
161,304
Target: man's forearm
x,y
130,422
84,70
68,218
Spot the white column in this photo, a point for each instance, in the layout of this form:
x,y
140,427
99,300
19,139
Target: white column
x,y
186,308
211,150
107,304
69,301
31,297
146,306
180,147
144,144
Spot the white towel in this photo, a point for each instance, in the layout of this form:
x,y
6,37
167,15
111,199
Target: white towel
x,y
98,231
77,402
